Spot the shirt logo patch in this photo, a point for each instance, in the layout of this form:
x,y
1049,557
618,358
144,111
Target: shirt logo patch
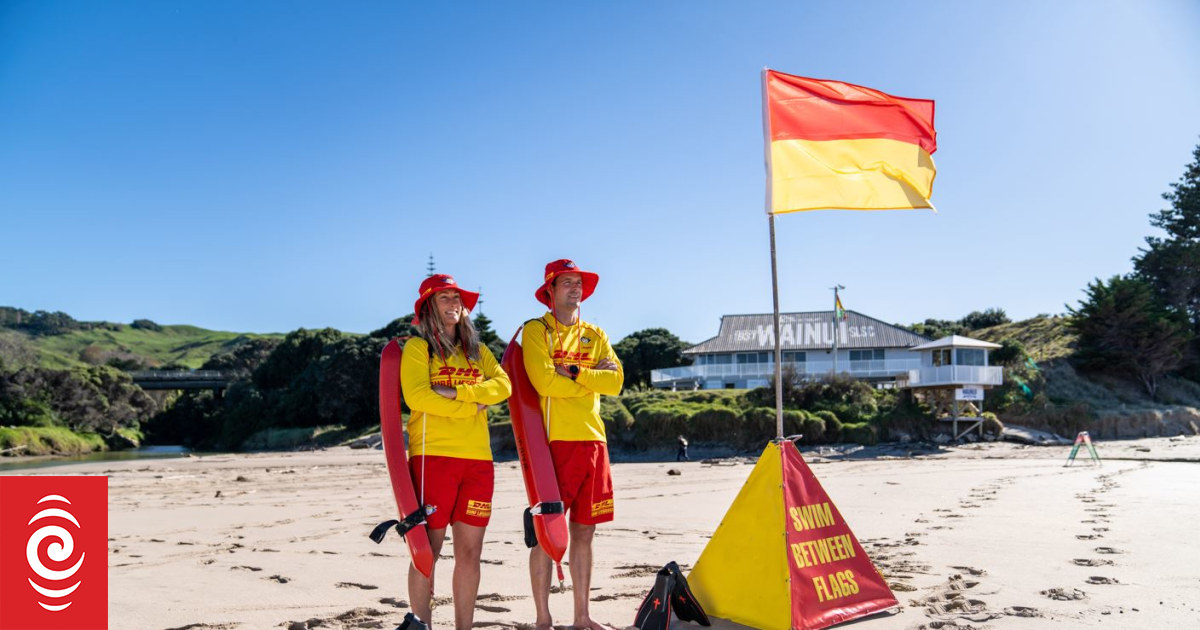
x,y
482,509
453,371
585,340
571,356
603,507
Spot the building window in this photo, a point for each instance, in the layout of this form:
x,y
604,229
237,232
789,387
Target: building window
x,y
795,357
754,357
941,357
970,356
720,359
867,355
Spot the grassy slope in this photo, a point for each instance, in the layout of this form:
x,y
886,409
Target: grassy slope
x,y
1050,342
186,345
1044,338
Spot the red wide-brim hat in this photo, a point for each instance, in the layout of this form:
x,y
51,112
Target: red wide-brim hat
x,y
442,282
559,267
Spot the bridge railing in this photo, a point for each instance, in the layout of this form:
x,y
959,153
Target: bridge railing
x,y
179,375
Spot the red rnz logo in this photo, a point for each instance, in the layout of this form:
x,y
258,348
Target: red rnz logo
x,y
53,553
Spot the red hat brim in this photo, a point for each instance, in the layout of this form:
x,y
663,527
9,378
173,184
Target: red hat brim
x,y
590,280
469,300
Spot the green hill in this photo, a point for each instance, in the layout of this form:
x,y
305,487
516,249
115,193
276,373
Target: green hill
x,y
1044,338
187,346
1068,400
142,345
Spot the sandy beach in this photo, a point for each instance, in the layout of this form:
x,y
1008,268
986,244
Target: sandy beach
x,y
992,535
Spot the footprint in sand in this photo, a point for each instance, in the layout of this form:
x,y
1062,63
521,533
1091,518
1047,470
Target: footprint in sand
x,y
497,597
608,598
1088,536
492,609
1095,579
245,568
365,587
970,571
1064,595
207,626
357,618
1091,562
635,570
392,601
1022,611
1108,550
280,579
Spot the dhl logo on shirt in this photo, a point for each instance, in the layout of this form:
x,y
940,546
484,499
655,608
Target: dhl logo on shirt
x,y
571,356
482,509
453,371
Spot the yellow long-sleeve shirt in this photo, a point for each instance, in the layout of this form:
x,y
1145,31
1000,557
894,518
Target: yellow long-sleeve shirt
x,y
571,408
439,425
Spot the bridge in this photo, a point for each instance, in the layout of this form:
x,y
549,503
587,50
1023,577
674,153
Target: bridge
x,y
216,380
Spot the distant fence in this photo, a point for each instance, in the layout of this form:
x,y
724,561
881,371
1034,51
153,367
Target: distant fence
x,y
181,379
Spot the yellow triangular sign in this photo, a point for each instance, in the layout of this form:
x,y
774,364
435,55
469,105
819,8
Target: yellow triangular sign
x,y
783,557
742,574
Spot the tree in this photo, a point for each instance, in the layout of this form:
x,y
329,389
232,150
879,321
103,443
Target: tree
x,y
146,324
15,351
1171,264
400,327
488,337
244,357
976,320
1124,329
649,349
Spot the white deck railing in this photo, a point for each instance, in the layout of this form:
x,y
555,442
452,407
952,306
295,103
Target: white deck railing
x,y
741,371
956,375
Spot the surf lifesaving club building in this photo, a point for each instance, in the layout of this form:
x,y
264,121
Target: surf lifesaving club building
x,y
743,352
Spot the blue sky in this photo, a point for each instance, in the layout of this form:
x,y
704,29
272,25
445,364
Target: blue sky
x,y
263,166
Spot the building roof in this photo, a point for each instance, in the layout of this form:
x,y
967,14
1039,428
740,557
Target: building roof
x,y
957,341
804,331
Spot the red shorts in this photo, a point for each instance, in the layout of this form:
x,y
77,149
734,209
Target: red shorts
x,y
584,480
459,489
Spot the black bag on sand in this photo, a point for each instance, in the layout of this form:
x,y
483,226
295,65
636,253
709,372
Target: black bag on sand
x,y
655,611
682,601
412,622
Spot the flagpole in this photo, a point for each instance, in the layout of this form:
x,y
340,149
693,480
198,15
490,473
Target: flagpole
x,y
774,272
778,351
835,330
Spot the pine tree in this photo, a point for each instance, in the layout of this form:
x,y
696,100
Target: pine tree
x,y
1124,329
487,336
1171,264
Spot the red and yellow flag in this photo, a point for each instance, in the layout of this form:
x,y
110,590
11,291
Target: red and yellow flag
x,y
834,145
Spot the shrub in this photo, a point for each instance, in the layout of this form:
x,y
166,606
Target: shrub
x,y
833,426
861,433
145,324
614,413
717,424
814,429
992,424
49,441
